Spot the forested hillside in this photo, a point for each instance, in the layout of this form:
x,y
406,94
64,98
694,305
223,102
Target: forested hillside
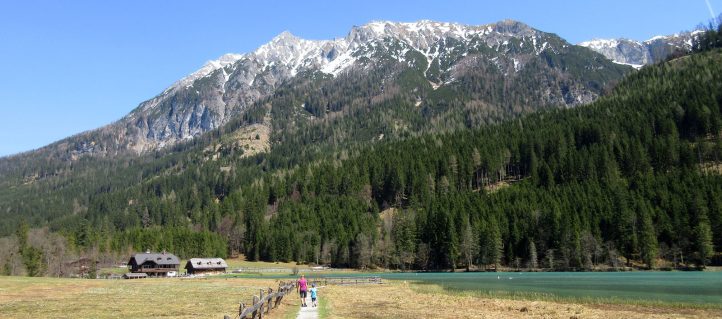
x,y
635,176
387,95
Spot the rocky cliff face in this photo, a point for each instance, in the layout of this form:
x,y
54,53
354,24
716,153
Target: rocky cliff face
x,y
637,53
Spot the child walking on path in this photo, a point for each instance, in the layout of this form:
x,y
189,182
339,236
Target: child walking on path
x,y
313,294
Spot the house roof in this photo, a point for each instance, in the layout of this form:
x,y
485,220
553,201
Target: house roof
x,y
158,258
206,263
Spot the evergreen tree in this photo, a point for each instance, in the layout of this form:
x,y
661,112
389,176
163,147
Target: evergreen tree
x,y
648,242
705,249
468,246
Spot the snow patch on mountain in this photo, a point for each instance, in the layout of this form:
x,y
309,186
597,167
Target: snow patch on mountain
x,y
221,88
636,53
206,69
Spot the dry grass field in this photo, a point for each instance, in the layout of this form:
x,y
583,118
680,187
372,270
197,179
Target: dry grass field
x,y
213,297
399,300
24,297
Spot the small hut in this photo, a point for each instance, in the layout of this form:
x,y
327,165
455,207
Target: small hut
x,y
196,266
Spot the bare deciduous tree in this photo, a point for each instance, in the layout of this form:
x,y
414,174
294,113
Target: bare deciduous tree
x,y
422,255
550,258
533,259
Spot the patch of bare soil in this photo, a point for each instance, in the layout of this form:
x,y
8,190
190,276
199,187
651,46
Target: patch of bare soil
x,y
253,139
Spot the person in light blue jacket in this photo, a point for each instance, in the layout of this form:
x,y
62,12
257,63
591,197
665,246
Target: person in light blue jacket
x,y
313,294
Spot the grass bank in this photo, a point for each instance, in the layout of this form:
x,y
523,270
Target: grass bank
x,y
535,296
399,299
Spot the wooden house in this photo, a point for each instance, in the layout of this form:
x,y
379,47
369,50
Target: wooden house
x,y
154,264
196,266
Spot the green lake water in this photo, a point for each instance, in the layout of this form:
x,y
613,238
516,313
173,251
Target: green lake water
x,y
703,288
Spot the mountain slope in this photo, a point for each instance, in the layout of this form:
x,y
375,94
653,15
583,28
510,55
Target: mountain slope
x,y
384,81
620,177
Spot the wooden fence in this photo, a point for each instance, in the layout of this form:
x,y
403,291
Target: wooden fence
x,y
277,269
343,281
264,302
262,270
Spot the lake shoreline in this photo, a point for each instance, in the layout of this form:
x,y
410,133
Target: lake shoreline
x,y
609,269
407,299
679,289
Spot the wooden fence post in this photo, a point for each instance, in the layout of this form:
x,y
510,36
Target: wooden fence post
x,y
255,302
260,307
264,302
269,304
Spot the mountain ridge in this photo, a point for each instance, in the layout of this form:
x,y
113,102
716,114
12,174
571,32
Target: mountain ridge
x,y
639,53
225,87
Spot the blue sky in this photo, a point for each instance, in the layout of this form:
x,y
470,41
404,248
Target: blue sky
x,y
71,66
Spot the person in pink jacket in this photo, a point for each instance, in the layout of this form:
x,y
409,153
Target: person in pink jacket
x,y
302,289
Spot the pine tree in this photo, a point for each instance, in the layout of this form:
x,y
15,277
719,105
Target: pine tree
x,y
32,257
648,242
494,245
705,248
33,261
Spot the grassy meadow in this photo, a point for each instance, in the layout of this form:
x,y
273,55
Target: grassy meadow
x,y
215,296
25,297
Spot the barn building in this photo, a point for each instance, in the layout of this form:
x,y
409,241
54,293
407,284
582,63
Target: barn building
x,y
196,266
154,264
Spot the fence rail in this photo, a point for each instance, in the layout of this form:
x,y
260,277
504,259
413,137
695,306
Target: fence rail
x,y
261,270
343,281
278,269
264,302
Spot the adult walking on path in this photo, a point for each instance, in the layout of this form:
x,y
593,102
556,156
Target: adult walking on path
x,y
302,290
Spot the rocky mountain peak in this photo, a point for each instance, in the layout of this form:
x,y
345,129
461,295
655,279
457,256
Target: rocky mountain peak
x,y
636,53
513,27
222,88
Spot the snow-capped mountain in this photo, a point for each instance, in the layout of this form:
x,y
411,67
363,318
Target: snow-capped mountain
x,y
223,88
637,54
334,56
